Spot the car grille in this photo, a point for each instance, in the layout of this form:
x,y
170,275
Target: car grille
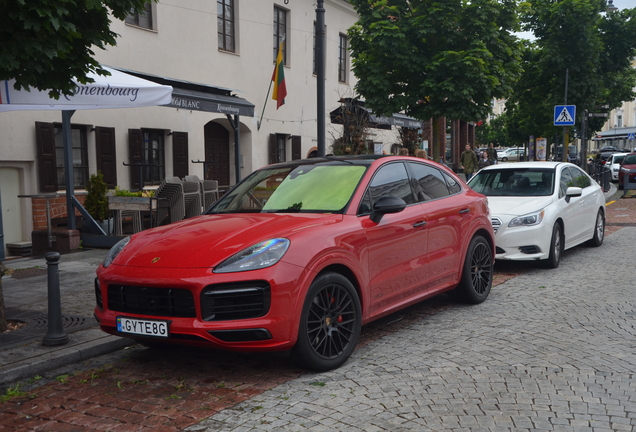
x,y
168,302
496,223
235,301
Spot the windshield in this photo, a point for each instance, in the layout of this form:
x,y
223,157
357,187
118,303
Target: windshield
x,y
304,188
514,182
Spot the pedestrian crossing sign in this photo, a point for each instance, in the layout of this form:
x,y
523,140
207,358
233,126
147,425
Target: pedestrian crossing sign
x,y
564,115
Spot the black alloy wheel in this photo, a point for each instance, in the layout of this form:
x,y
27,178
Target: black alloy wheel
x,y
330,323
477,274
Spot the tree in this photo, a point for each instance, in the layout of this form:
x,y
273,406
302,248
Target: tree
x,y
595,47
44,44
432,58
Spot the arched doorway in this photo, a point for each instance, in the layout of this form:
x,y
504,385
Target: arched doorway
x,y
217,153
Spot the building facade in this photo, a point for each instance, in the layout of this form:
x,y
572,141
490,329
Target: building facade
x,y
217,50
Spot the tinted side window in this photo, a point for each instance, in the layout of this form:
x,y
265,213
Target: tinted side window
x,y
428,182
392,180
452,184
579,178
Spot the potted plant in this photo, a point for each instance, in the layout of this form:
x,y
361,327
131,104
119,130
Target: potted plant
x,y
96,202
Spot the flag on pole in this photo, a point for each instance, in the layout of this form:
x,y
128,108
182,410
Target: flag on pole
x,y
280,89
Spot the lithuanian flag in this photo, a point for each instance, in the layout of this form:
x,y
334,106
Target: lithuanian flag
x,y
280,89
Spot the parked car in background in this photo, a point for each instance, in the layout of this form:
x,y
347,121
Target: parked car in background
x,y
573,156
298,256
613,149
614,164
512,154
540,209
628,163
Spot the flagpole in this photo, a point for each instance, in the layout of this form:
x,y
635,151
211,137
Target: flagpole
x,y
258,123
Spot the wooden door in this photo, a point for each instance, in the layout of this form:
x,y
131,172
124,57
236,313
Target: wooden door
x,y
180,154
217,153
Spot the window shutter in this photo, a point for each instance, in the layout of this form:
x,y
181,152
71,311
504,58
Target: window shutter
x,y
47,162
180,154
135,155
273,158
106,154
296,147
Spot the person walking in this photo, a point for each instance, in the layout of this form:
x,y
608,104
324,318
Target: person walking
x,y
492,153
468,161
484,160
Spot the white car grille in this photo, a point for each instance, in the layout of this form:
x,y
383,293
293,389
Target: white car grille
x,y
496,223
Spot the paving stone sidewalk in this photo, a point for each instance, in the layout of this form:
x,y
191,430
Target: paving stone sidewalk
x,y
550,350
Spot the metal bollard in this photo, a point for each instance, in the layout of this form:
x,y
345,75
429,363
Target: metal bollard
x,y
55,335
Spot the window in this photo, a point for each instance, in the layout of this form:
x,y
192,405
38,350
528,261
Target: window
x,y
143,18
280,30
280,148
565,182
80,160
153,156
579,178
342,59
391,179
225,24
428,182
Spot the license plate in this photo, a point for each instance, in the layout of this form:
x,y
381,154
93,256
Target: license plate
x,y
142,327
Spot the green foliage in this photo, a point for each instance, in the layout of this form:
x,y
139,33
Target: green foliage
x,y
595,48
96,202
434,58
12,392
44,44
127,193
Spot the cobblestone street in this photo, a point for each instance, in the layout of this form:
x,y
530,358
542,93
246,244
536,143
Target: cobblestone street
x,y
550,350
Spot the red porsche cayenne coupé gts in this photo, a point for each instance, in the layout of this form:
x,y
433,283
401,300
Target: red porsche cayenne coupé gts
x,y
299,256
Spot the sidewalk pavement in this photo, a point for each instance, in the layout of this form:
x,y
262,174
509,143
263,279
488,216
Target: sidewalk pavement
x,y
22,354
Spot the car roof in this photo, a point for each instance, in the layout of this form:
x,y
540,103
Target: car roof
x,y
523,165
364,160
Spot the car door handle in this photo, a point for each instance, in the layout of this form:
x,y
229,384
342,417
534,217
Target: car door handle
x,y
419,224
464,211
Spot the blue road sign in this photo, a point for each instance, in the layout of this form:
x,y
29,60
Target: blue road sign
x,y
631,136
564,115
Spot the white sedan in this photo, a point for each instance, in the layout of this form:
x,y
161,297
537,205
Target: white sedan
x,y
540,209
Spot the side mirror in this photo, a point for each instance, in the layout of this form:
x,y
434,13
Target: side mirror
x,y
573,192
386,205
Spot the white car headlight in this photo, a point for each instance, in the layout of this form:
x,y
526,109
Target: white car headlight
x,y
114,251
261,255
527,220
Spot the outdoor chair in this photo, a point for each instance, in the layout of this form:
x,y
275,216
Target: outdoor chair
x,y
170,201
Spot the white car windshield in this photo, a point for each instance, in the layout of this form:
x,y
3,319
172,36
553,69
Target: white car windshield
x,y
514,182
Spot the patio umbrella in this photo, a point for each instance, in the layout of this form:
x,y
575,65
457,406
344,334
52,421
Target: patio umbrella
x,y
119,90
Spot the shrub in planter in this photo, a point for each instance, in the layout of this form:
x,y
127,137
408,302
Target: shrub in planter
x,y
96,202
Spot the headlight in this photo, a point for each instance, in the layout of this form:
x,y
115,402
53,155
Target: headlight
x,y
527,220
261,255
114,251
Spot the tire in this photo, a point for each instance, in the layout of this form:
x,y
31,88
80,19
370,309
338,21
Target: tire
x,y
477,273
504,159
556,247
599,230
330,323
